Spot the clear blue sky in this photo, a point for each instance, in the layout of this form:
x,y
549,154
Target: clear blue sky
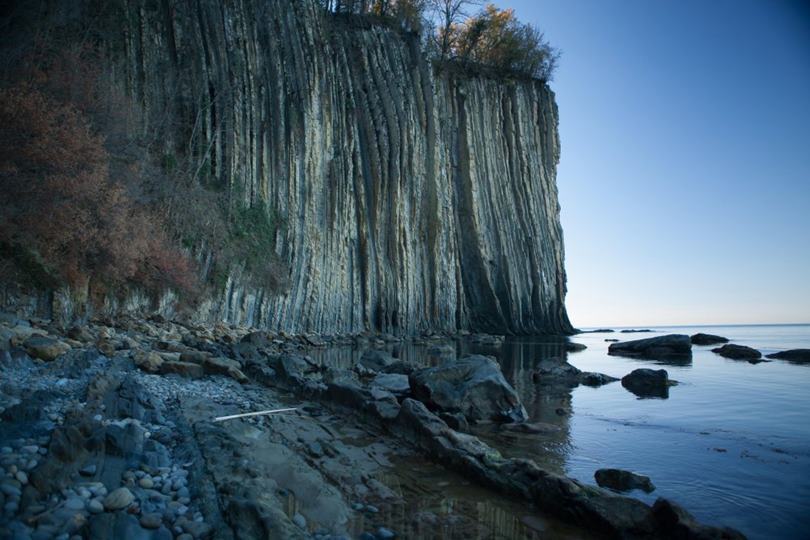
x,y
685,171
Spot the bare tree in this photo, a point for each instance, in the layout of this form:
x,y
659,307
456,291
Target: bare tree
x,y
449,13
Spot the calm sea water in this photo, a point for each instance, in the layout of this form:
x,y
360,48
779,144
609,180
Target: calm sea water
x,y
731,443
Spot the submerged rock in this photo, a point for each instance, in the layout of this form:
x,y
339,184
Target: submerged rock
x,y
707,339
798,356
647,383
558,371
473,386
739,352
622,480
672,346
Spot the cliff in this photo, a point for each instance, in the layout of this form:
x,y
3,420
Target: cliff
x,y
412,198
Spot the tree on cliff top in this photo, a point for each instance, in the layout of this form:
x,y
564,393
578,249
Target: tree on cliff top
x,y
495,37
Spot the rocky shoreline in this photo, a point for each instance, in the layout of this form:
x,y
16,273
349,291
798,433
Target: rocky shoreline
x,y
107,431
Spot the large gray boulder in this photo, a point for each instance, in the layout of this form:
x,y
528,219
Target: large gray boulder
x,y
671,346
473,386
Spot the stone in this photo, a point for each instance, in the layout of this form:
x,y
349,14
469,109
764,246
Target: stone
x,y
738,352
118,499
557,371
648,383
184,369
393,382
88,470
146,482
75,503
224,366
45,348
95,506
194,357
152,520
377,360
621,480
80,333
149,362
473,386
798,356
707,339
672,346
300,520
384,534
571,346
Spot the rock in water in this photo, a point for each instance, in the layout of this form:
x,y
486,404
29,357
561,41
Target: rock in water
x,y
738,352
621,480
672,346
799,356
118,499
572,346
473,386
707,339
648,383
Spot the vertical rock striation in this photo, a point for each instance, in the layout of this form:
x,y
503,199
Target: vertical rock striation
x,y
411,199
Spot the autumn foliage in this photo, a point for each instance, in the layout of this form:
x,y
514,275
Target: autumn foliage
x,y
61,210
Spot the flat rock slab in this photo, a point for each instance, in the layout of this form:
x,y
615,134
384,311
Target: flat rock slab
x,y
660,347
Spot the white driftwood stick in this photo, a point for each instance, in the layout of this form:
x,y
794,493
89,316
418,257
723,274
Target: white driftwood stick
x,y
258,413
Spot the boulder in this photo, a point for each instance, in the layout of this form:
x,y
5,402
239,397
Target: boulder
x,y
707,339
377,360
473,386
588,378
148,361
738,352
558,371
571,346
45,348
676,346
195,357
799,356
224,366
621,480
184,369
648,383
395,383
81,333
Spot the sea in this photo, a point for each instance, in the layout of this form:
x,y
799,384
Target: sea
x,y
730,442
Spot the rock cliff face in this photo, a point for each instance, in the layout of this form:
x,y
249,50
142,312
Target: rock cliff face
x,y
412,199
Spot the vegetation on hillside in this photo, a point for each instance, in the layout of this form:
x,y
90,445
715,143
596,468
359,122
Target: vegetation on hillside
x,y
90,199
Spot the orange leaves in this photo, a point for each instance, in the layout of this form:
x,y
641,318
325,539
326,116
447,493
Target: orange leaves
x,y
57,199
